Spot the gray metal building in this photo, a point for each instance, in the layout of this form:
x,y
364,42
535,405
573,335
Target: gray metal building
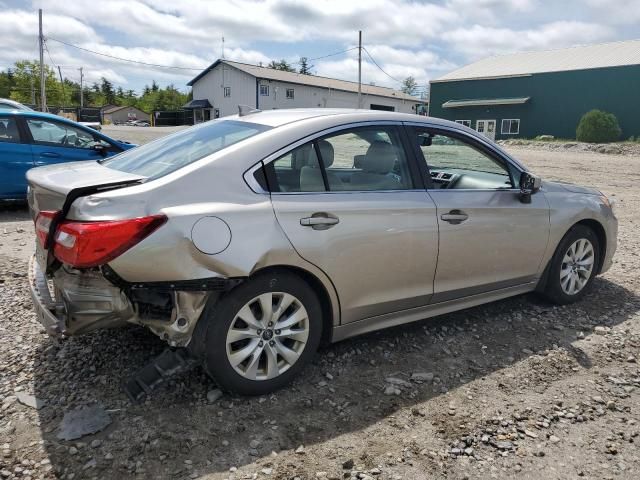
x,y
123,114
224,85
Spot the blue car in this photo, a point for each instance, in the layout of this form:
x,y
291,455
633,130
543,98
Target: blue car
x,y
30,139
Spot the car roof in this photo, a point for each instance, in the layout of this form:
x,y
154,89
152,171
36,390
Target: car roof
x,y
35,113
276,118
13,103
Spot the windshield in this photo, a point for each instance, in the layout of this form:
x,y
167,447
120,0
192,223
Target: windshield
x,y
170,153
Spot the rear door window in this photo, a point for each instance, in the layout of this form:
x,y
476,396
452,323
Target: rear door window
x,y
168,154
9,132
358,159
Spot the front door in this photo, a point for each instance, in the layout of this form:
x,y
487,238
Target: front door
x,y
363,223
15,159
487,128
489,239
57,142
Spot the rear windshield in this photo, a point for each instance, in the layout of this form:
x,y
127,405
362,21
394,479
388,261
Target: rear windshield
x,y
172,152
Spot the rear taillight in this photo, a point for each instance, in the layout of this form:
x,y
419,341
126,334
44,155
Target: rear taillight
x,y
43,224
90,244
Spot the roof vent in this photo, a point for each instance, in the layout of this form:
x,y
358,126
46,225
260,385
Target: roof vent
x,y
246,110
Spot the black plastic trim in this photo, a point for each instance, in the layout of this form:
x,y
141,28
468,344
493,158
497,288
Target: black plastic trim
x,y
216,284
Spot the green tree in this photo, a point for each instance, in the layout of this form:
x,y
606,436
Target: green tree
x,y
305,68
26,79
106,88
281,65
597,126
409,85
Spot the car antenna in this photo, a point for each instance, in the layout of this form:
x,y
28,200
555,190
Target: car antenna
x,y
246,110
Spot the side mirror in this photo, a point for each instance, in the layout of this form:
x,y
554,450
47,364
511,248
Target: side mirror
x,y
101,149
529,184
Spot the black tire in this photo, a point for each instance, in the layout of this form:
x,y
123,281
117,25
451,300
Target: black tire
x,y
221,314
553,290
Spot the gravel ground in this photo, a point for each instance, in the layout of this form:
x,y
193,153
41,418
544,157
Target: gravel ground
x,y
506,390
138,135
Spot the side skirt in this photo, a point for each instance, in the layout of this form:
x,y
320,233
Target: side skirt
x,y
420,313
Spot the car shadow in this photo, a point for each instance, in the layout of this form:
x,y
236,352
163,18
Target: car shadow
x,y
176,425
13,211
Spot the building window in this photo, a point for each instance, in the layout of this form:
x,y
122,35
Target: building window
x,y
264,90
510,126
466,123
227,91
384,108
290,93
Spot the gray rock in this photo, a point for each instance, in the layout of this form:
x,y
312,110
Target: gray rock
x,y
397,381
504,445
83,421
214,395
422,377
29,400
600,330
254,443
96,443
391,390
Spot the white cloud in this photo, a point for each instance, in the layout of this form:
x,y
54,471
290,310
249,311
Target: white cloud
x,y
625,12
479,41
406,37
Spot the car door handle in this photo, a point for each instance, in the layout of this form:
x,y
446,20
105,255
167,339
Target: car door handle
x,y
50,154
454,217
320,221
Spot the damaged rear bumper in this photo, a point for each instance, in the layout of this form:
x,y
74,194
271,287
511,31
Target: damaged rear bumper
x,y
75,301
48,311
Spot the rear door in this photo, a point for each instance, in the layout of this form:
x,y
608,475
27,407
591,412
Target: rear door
x,y
489,239
56,142
367,226
15,158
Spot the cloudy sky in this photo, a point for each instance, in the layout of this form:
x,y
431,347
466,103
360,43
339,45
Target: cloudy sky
x,y
424,39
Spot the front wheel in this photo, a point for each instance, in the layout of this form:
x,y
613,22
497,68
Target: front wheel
x,y
262,333
573,266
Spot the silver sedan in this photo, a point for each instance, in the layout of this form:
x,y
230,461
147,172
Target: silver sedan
x,y
251,240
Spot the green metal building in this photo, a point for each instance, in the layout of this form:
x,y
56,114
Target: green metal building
x,y
543,93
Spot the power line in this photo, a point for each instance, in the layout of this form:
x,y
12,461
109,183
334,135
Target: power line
x,y
177,67
379,67
331,54
125,59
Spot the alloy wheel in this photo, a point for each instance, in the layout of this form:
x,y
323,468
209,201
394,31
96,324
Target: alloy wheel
x,y
267,336
577,266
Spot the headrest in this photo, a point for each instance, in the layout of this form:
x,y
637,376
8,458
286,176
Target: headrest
x,y
302,156
380,158
326,152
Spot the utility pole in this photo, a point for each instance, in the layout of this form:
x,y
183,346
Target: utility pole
x,y
81,90
61,85
359,68
43,94
223,48
33,87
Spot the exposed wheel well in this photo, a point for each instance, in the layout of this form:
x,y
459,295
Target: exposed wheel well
x,y
598,229
318,288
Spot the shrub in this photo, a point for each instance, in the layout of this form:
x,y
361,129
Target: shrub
x,y
597,126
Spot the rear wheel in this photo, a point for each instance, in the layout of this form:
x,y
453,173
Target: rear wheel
x,y
573,266
262,333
